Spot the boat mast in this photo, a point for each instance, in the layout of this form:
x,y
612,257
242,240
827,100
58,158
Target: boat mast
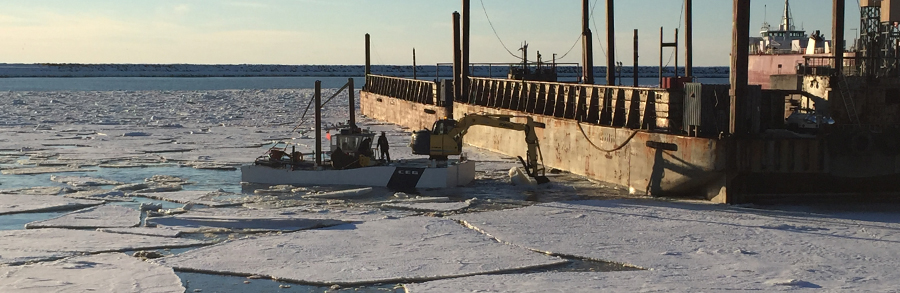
x,y
787,19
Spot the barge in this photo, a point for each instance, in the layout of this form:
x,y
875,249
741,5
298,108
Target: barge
x,y
725,143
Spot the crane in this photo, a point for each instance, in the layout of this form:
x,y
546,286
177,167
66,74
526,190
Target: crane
x,y
446,138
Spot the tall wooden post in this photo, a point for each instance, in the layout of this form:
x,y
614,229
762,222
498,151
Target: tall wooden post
x,y
587,44
368,56
611,44
688,38
838,32
635,70
676,53
457,60
740,49
464,77
415,75
318,104
352,98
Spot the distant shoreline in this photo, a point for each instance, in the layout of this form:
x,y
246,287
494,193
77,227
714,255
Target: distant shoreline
x,y
51,70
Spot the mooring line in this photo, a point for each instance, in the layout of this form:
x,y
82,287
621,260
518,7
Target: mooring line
x,y
633,133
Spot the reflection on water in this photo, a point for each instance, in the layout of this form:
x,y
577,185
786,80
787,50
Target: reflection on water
x,y
218,283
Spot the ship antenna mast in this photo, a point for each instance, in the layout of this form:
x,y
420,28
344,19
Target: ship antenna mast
x,y
787,18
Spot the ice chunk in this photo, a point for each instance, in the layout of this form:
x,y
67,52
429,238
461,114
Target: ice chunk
x,y
94,217
14,203
21,246
77,181
147,231
341,193
408,249
430,207
111,272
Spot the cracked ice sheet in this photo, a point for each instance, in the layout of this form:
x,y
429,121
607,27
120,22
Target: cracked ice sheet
x,y
430,206
206,198
93,217
193,224
630,281
15,203
348,215
21,246
113,272
415,248
146,231
702,242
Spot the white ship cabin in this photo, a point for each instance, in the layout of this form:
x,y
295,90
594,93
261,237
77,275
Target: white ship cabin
x,y
787,39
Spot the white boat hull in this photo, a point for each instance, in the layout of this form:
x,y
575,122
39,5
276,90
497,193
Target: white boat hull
x,y
394,177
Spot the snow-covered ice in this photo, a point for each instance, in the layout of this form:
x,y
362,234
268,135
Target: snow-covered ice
x,y
80,181
208,197
198,223
703,242
105,216
415,248
100,194
19,203
21,246
146,231
430,206
110,272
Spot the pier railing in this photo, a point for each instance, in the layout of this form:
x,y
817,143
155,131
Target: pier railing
x,y
419,91
630,107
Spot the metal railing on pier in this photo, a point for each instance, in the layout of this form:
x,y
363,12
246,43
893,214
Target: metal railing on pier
x,y
419,91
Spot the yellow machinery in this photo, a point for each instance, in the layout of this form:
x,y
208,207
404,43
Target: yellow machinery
x,y
446,138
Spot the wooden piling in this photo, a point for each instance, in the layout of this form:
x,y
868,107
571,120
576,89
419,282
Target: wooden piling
x,y
740,49
318,105
611,44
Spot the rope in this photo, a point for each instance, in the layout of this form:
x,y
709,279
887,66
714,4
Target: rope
x,y
308,105
570,49
680,18
495,31
603,150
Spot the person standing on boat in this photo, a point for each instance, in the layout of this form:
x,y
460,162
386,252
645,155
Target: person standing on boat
x,y
383,146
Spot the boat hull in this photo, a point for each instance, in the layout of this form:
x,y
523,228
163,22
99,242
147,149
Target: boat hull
x,y
394,177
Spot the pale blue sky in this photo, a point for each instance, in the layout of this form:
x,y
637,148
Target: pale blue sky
x,y
331,31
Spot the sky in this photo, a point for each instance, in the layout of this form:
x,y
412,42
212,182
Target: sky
x,y
332,31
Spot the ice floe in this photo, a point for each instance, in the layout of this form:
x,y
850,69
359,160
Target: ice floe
x,y
22,246
407,249
106,216
207,198
706,241
146,231
110,272
430,206
15,203
81,181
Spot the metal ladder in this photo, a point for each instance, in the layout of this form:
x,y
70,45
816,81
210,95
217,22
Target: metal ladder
x,y
847,97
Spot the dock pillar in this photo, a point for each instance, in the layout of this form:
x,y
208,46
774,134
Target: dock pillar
x,y
457,60
740,49
368,56
635,70
688,39
464,46
352,98
611,44
318,102
587,43
838,32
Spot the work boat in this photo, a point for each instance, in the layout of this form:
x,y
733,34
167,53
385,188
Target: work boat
x,y
351,161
